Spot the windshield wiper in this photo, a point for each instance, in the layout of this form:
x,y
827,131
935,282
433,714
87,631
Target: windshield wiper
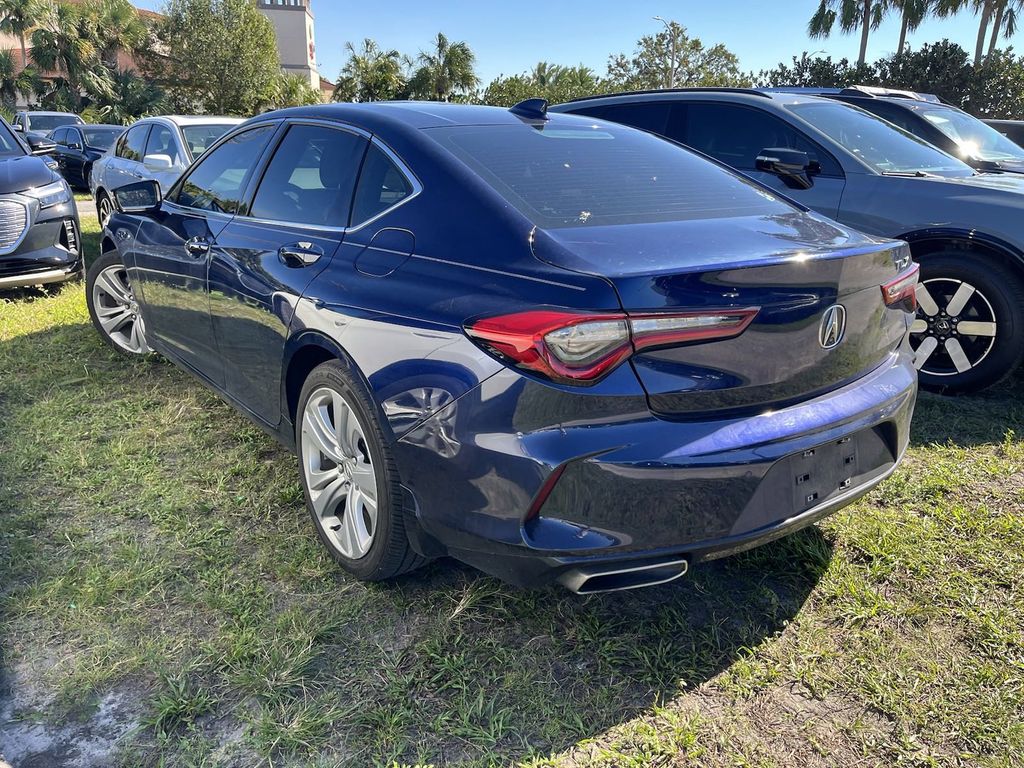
x,y
911,174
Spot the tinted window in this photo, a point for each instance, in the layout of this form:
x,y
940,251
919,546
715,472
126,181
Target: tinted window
x,y
883,147
648,116
60,135
199,138
74,137
591,175
162,142
735,135
218,182
381,185
311,177
9,145
133,146
894,114
43,123
101,138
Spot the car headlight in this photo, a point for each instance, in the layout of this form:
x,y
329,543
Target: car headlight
x,y
57,193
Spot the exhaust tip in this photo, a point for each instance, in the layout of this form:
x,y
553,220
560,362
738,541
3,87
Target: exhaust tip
x,y
591,579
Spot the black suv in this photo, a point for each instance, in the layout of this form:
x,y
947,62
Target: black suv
x,y
40,240
942,125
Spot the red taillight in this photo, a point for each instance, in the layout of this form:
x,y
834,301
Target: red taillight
x,y
902,289
582,348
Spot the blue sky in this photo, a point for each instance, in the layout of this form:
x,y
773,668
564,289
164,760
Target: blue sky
x,y
510,37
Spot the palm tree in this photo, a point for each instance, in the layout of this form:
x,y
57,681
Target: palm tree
x,y
18,17
370,74
1005,21
852,15
61,43
544,75
986,10
115,25
444,71
15,80
912,14
131,97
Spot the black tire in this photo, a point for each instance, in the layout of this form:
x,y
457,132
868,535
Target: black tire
x,y
104,262
390,553
102,196
999,293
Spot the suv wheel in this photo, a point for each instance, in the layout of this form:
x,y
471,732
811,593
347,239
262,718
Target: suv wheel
x,y
969,330
349,477
112,305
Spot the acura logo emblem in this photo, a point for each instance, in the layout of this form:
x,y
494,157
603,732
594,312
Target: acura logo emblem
x,y
833,326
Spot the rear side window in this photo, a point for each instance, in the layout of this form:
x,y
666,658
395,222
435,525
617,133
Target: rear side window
x,y
735,135
574,174
133,145
381,186
162,142
219,181
647,116
311,177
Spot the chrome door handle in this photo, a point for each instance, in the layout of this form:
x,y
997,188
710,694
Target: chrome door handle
x,y
197,246
300,254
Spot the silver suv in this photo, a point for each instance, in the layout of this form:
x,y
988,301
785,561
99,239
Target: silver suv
x,y
965,228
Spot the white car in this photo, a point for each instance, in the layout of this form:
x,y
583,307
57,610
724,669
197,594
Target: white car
x,y
159,148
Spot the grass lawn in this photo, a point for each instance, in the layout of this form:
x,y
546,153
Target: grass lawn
x,y
164,602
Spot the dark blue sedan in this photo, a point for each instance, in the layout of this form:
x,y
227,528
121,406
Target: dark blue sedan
x,y
552,347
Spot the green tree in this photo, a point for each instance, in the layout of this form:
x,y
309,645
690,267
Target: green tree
x,y
552,82
292,91
224,60
18,17
852,15
370,74
63,43
912,15
16,80
447,70
115,25
816,72
1004,22
131,97
987,12
672,58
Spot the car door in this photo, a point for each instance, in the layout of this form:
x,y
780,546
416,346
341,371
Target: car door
x,y
163,142
125,166
72,150
268,255
735,134
60,153
173,249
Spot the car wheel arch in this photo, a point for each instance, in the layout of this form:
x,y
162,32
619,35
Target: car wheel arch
x,y
933,241
303,353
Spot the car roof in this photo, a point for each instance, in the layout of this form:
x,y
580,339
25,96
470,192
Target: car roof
x,y
736,95
99,125
181,120
402,114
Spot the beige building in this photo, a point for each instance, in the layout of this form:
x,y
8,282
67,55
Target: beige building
x,y
294,26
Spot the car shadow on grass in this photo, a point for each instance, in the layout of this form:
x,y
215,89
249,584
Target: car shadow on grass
x,y
151,622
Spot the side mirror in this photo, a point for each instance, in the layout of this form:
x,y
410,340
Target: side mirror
x,y
18,127
40,146
75,145
139,197
792,166
158,162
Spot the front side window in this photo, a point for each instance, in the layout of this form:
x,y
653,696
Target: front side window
x,y
576,175
60,136
382,185
736,135
133,146
877,143
647,116
311,177
10,146
162,142
219,181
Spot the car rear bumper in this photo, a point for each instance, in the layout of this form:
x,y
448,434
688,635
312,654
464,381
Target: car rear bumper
x,y
640,491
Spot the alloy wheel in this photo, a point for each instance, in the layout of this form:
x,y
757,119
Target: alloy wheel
x,y
105,210
118,311
955,329
339,473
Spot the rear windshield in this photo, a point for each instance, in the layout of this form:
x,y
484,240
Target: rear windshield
x,y
880,144
51,122
592,174
199,138
101,138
